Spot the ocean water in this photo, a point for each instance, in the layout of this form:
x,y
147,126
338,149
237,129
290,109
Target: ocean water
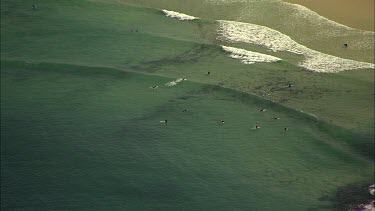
x,y
301,24
86,88
135,38
80,138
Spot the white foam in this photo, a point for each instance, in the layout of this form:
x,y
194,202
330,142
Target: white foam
x,y
249,57
232,31
371,189
365,207
236,32
175,82
179,16
321,62
171,83
178,80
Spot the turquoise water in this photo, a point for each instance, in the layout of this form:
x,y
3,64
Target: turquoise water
x,y
81,138
81,130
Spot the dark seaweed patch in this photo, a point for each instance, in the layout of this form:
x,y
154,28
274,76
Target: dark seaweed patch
x,y
191,56
350,196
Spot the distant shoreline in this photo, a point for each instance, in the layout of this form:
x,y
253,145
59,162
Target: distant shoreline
x,y
355,14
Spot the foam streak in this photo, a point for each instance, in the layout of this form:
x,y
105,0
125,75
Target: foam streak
x,y
249,57
237,32
179,16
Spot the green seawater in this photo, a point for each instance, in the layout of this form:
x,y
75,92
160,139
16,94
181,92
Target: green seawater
x,y
142,39
81,130
76,138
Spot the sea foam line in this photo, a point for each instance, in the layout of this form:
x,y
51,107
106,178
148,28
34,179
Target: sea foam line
x,y
249,57
179,16
175,82
236,32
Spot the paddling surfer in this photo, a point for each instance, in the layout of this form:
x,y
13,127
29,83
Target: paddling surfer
x,y
164,121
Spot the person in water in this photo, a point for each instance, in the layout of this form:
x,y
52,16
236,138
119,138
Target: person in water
x,y
208,73
185,110
285,129
222,121
345,45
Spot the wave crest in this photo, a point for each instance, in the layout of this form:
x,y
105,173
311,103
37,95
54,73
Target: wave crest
x,y
236,32
249,57
179,16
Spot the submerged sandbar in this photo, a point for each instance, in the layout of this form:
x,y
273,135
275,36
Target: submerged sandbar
x,y
355,14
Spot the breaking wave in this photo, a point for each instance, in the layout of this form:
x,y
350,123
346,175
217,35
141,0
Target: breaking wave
x,y
179,16
237,32
249,57
175,82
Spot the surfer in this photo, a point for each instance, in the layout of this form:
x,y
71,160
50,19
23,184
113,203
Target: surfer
x,y
257,127
290,85
285,129
154,87
34,7
276,118
222,121
164,121
208,73
263,109
266,94
345,45
185,110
